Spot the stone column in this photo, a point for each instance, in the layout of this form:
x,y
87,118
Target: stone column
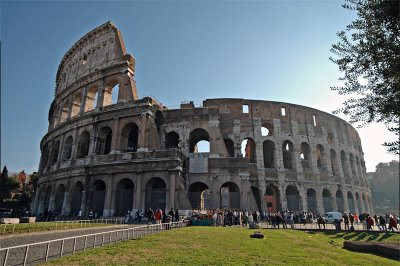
x,y
171,202
346,202
66,206
83,104
138,195
109,206
303,199
334,202
115,136
142,133
100,95
282,195
86,195
320,204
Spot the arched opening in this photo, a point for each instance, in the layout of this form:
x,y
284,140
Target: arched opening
x,y
320,156
76,200
269,154
45,156
287,152
111,93
56,116
98,197
199,141
54,153
67,151
172,140
76,104
124,197
271,198
47,199
352,166
350,201
59,200
83,145
230,147
358,199
230,196
339,201
64,111
327,200
267,129
199,196
129,138
103,144
292,198
312,200
343,158
91,98
156,196
305,155
248,149
334,164
159,120
358,166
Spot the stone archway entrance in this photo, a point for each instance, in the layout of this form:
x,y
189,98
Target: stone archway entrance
x,y
156,194
271,198
124,197
199,196
230,196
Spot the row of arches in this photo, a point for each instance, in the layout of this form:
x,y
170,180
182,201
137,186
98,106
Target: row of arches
x,y
124,191
330,202
85,100
64,151
349,164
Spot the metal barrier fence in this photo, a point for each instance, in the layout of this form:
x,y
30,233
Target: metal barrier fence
x,y
43,251
315,226
55,225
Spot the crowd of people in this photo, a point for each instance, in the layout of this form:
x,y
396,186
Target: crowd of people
x,y
288,219
151,216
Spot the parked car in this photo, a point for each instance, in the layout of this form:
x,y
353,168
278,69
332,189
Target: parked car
x,y
331,217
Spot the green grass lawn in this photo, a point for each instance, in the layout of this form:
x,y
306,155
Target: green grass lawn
x,y
233,246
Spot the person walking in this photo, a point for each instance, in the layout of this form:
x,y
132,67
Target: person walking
x,y
150,216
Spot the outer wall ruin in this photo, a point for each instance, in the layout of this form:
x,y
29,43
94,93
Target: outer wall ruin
x,y
108,151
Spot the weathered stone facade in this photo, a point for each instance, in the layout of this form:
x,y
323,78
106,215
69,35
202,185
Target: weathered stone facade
x,y
133,153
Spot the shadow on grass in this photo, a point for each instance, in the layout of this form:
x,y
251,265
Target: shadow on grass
x,y
355,236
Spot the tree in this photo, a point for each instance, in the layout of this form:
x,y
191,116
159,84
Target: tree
x,y
7,185
369,52
384,186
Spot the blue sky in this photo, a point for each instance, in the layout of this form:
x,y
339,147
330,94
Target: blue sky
x,y
184,50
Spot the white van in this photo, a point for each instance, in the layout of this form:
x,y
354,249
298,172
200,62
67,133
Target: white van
x,y
330,217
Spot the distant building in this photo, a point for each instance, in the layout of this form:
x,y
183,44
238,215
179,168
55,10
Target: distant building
x,y
111,157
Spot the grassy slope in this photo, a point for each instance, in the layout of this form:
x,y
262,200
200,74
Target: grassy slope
x,y
233,246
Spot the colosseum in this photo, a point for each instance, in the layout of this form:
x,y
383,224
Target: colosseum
x,y
108,151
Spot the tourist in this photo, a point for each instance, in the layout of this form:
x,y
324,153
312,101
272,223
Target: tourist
x,y
355,218
370,222
172,214
176,215
150,216
158,216
351,218
291,220
392,223
346,221
382,223
320,221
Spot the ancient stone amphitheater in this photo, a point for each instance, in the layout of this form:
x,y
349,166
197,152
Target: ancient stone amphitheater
x,y
108,151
